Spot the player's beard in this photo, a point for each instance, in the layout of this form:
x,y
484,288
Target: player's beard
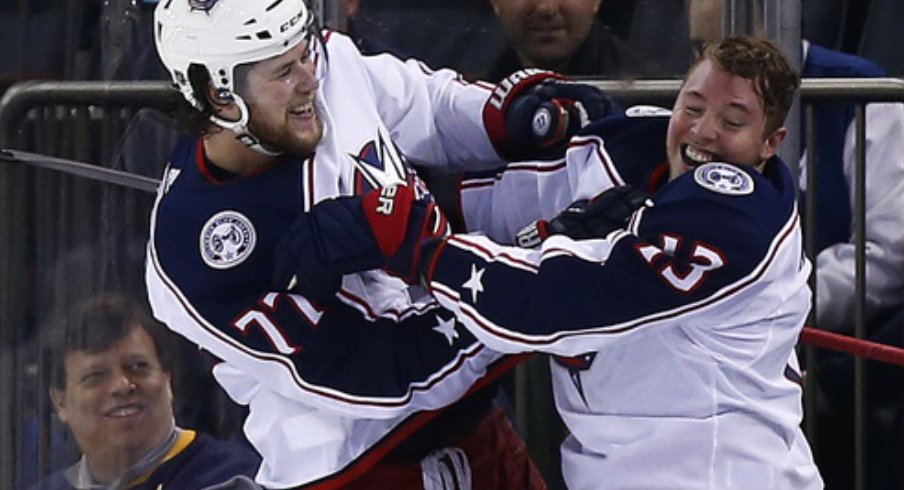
x,y
297,138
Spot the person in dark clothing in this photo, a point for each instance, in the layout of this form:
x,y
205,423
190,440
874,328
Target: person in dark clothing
x,y
111,385
567,37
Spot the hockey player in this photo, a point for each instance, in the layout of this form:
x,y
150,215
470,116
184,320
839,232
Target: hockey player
x,y
291,116
674,329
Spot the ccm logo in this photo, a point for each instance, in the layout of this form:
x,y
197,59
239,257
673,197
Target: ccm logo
x,y
291,22
387,200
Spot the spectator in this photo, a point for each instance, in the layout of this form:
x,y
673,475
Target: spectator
x,y
679,316
110,384
836,263
565,36
835,154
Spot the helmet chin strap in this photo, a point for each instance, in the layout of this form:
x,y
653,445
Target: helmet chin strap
x,y
240,128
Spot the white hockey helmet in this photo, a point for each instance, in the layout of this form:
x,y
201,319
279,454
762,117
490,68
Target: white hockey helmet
x,y
222,34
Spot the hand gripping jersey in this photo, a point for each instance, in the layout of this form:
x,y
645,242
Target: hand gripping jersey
x,y
676,335
332,388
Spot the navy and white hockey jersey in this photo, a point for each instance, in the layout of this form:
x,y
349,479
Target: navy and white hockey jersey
x,y
331,389
676,336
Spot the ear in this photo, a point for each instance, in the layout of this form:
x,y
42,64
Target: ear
x,y
58,398
770,146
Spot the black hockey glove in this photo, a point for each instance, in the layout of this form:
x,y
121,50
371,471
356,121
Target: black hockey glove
x,y
384,229
594,218
532,113
315,251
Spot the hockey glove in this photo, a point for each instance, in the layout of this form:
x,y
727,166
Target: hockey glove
x,y
594,218
320,246
384,229
532,114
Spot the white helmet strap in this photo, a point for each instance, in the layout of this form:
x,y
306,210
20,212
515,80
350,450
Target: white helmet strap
x,y
240,127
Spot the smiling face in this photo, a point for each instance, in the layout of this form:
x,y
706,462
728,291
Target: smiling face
x,y
117,402
546,33
280,94
718,116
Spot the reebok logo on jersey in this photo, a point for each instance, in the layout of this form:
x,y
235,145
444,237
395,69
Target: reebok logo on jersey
x,y
227,239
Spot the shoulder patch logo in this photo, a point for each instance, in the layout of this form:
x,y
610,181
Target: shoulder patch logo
x,y
227,239
647,111
724,179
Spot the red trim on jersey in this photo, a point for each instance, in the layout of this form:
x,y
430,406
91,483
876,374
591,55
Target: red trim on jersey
x,y
204,166
489,180
364,307
599,149
201,162
658,178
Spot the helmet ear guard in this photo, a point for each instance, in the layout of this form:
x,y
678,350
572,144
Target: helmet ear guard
x,y
240,127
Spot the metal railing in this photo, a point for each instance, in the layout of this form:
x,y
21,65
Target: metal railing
x,y
77,120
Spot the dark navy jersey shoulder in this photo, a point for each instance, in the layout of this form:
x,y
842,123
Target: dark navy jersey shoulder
x,y
234,226
634,141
